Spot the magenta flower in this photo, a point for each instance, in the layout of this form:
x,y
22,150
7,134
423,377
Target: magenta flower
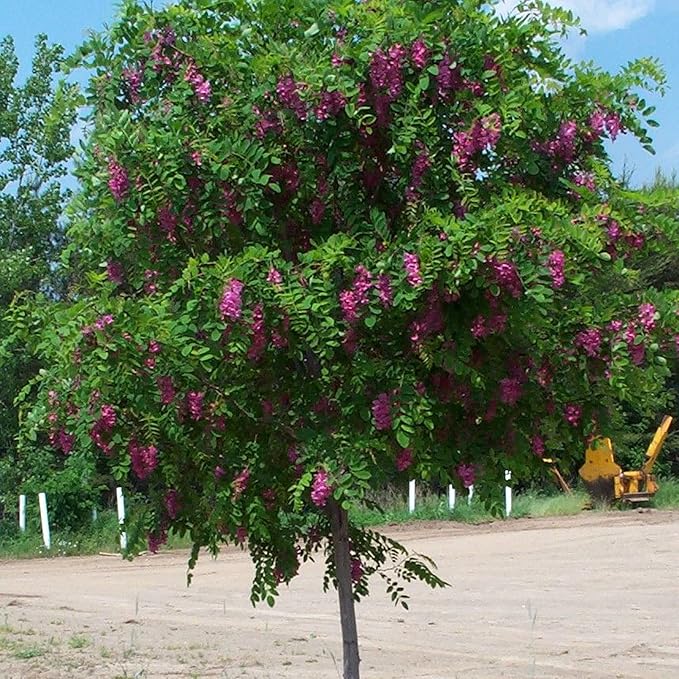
x,y
108,416
240,483
555,264
320,488
194,400
274,277
507,277
114,271
201,87
172,503
156,540
230,305
647,316
287,91
538,445
589,341
635,346
381,410
572,413
404,459
466,474
166,388
362,284
510,391
411,264
349,305
118,181
144,459
258,342
331,105
419,54
384,290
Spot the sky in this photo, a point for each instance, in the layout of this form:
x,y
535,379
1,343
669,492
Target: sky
x,y
618,31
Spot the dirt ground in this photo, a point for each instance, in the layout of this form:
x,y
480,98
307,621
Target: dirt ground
x,y
591,596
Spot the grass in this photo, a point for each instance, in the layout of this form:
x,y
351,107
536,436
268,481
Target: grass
x,y
102,535
433,507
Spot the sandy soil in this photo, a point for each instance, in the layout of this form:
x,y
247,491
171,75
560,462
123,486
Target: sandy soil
x,y
592,596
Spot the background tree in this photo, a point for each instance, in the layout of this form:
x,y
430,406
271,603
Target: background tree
x,y
322,245
36,119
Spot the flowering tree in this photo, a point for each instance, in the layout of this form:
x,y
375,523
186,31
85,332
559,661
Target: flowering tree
x,y
321,245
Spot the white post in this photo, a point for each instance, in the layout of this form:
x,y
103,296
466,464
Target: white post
x,y
22,513
451,497
508,493
94,514
411,496
44,521
120,501
470,494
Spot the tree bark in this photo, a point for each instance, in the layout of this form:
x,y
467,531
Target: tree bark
x,y
339,523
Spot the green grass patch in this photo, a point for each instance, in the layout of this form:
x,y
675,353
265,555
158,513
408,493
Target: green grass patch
x,y
667,496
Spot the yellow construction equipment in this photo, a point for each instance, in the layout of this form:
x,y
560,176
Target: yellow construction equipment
x,y
605,480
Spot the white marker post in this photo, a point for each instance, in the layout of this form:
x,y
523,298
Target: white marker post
x,y
508,494
470,494
22,513
411,496
120,501
44,521
451,497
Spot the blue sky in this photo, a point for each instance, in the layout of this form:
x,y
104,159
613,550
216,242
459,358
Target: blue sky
x,y
618,31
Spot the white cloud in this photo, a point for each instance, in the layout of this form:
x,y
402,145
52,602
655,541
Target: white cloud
x,y
597,16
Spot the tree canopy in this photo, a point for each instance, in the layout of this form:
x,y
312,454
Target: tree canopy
x,y
321,245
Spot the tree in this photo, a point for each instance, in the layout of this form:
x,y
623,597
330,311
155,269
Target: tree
x,y
327,244
36,118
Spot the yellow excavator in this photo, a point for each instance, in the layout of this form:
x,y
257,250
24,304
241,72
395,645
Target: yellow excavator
x,y
605,480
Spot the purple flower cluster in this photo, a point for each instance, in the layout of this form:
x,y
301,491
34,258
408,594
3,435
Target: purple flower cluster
x,y
172,503
538,445
419,53
230,306
240,483
404,459
485,326
430,321
449,77
562,147
420,166
201,86
320,488
118,181
647,316
352,300
506,276
466,473
194,403
586,179
114,271
411,263
166,388
484,134
572,413
555,264
144,459
287,91
589,341
386,71
274,276
384,290
510,390
167,220
258,343
381,410
132,80
604,121
636,347
331,105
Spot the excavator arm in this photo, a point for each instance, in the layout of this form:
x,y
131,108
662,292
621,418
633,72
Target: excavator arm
x,y
656,444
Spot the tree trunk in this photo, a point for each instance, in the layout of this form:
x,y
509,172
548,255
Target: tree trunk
x,y
339,523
